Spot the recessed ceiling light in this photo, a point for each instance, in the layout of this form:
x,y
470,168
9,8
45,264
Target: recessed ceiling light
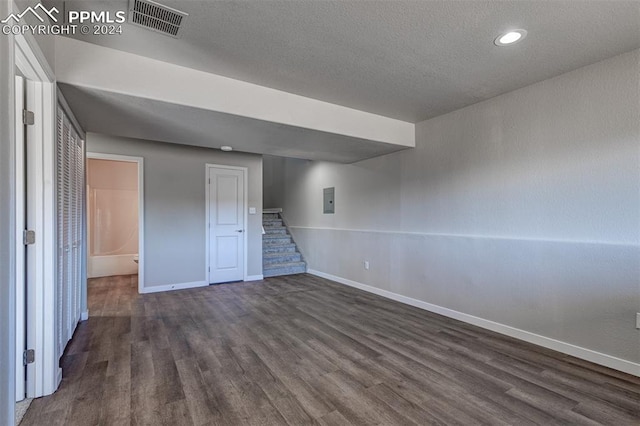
x,y
510,37
226,148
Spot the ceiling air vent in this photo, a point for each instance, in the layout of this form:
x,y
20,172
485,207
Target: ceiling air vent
x,y
156,17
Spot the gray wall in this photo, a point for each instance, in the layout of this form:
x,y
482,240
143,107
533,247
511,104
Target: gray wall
x,y
174,205
274,171
523,209
7,226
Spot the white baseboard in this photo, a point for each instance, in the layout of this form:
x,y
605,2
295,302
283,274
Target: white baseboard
x,y
254,278
170,287
84,315
547,342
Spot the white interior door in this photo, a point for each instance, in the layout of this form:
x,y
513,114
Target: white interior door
x,y
21,330
226,224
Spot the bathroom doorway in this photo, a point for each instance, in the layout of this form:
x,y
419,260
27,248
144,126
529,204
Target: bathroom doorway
x,y
114,216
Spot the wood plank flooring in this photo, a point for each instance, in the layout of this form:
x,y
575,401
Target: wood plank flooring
x,y
302,350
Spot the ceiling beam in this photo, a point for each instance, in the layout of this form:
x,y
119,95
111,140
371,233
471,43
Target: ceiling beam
x,y
92,66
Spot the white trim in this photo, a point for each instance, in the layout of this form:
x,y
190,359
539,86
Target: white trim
x,y
30,60
84,315
254,278
170,287
49,237
20,275
140,162
207,261
43,376
245,171
34,274
473,236
547,342
27,41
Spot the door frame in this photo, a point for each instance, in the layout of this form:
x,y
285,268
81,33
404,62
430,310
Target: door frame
x,y
20,225
140,162
245,217
44,374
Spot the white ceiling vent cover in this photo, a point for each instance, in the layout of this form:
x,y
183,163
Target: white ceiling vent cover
x,y
156,17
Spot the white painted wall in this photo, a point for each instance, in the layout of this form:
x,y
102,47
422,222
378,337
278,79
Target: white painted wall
x,y
522,210
174,206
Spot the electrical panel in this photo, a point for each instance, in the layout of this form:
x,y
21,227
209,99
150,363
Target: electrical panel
x,y
328,201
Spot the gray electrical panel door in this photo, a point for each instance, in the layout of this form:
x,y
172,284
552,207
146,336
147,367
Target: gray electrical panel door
x,y
328,201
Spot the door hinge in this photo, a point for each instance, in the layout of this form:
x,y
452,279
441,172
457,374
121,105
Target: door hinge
x,y
29,237
28,118
28,356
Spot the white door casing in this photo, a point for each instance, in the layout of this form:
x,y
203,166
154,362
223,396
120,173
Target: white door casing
x,y
140,163
21,339
226,223
43,374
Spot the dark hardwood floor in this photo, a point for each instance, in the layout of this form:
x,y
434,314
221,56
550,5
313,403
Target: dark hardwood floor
x,y
303,350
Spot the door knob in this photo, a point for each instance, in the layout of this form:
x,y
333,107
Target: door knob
x,y
238,230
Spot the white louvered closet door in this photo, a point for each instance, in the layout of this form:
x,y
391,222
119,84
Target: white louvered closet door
x,y
70,213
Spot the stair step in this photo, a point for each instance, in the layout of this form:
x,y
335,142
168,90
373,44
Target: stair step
x,y
280,255
279,248
275,258
271,230
266,223
284,269
275,239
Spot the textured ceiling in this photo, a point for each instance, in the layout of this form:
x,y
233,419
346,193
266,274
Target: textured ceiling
x,y
409,60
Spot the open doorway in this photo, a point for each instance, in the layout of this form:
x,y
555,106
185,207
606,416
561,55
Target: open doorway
x,y
114,218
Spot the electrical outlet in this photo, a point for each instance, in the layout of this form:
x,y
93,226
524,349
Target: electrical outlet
x,y
366,266
638,320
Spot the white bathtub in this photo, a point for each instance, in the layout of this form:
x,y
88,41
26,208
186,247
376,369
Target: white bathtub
x,y
106,266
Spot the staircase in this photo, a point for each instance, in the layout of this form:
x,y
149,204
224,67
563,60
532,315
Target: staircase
x,y
280,256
